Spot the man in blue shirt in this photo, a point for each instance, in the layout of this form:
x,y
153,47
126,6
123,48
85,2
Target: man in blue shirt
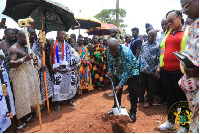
x,y
149,60
136,43
123,66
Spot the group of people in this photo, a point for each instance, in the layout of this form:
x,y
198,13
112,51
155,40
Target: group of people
x,y
71,67
147,64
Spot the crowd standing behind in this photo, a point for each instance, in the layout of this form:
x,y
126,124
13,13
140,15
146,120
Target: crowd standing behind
x,y
77,64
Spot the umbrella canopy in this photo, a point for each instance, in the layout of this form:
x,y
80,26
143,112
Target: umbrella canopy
x,y
57,16
87,23
103,30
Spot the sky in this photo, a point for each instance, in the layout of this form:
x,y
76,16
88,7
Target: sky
x,y
138,12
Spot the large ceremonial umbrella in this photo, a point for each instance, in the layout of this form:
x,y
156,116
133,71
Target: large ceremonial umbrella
x,y
48,16
54,16
103,30
87,23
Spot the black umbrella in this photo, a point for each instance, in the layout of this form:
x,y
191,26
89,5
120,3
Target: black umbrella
x,y
54,16
87,23
103,30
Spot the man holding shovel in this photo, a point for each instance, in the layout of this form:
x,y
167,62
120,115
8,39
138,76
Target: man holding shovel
x,y
123,67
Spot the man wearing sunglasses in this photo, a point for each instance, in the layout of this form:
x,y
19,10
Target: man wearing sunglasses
x,y
189,81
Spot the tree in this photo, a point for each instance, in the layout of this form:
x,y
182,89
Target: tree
x,y
109,16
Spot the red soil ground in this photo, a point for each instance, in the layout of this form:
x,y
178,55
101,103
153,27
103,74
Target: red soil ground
x,y
89,116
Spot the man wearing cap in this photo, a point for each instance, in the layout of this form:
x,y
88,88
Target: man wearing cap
x,y
148,27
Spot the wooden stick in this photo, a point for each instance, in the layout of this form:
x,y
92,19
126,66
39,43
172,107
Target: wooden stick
x,y
37,96
26,23
42,40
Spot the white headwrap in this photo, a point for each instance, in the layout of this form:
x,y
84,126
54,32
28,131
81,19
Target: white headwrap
x,y
1,53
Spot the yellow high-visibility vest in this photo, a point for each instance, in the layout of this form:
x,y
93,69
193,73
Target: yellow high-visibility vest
x,y
162,45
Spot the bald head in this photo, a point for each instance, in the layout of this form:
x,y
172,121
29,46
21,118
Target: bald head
x,y
152,32
32,33
164,24
21,38
113,46
20,33
152,36
113,42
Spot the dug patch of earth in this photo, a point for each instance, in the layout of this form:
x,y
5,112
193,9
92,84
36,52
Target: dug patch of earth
x,y
90,116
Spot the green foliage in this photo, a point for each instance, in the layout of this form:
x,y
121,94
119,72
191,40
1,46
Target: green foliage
x,y
109,16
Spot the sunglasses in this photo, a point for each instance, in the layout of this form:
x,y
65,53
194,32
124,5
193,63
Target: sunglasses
x,y
185,7
171,20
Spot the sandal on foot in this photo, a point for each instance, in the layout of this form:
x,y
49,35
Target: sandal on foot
x,y
23,128
29,119
33,118
71,103
57,108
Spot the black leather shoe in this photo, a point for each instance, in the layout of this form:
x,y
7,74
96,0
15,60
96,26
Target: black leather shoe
x,y
110,112
133,117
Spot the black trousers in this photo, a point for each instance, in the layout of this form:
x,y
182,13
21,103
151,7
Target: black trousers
x,y
173,92
147,80
160,90
133,86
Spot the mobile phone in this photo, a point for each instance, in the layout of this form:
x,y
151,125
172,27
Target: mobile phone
x,y
3,20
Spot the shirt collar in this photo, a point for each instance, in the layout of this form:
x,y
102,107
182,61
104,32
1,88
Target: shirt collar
x,y
154,42
182,30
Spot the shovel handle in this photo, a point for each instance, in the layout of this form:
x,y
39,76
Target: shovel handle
x,y
115,95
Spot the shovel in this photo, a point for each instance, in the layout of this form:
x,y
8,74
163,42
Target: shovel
x,y
117,110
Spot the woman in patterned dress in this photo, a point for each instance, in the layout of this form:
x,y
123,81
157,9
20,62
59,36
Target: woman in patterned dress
x,y
98,58
85,79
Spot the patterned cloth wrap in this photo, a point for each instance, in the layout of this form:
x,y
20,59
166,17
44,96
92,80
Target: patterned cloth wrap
x,y
190,85
65,82
5,121
99,70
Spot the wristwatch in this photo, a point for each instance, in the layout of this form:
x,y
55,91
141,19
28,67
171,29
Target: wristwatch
x,y
22,60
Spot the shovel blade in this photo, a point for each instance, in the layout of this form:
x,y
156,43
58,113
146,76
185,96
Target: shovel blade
x,y
122,112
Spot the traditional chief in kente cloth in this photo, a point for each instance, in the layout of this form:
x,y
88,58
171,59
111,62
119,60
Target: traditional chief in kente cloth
x,y
25,82
37,48
64,60
5,121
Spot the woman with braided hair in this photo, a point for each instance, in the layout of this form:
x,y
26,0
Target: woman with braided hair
x,y
175,40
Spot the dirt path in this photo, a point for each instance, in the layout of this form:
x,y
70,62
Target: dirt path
x,y
90,116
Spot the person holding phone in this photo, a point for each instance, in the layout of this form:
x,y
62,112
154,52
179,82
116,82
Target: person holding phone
x,y
190,80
